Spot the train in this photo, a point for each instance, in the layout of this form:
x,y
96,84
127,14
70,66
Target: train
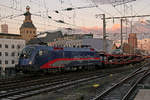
x,y
42,58
39,58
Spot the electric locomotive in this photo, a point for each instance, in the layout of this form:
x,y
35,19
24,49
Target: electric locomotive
x,y
46,58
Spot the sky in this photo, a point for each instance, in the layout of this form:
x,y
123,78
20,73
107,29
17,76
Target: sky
x,y
84,19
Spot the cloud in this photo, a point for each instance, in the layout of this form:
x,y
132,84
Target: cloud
x,y
139,27
114,28
94,28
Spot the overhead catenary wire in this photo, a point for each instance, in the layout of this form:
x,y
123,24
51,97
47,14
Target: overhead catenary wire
x,y
11,8
101,9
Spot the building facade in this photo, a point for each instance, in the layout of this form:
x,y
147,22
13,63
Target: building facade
x,y
27,29
4,28
10,36
144,45
9,51
95,43
132,40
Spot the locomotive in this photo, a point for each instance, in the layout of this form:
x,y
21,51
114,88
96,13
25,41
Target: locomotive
x,y
46,58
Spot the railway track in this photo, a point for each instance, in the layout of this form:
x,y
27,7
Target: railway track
x,y
22,92
124,88
22,89
19,78
23,78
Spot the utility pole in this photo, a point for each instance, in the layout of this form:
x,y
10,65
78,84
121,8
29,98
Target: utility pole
x,y
104,33
131,27
121,21
104,30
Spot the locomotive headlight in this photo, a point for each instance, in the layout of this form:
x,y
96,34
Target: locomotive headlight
x,y
30,62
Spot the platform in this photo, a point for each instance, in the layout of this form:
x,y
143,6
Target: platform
x,y
143,94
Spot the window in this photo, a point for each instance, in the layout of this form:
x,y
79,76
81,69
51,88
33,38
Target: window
x,y
27,31
27,52
0,45
6,61
18,46
13,54
0,53
12,61
12,46
6,53
6,46
0,62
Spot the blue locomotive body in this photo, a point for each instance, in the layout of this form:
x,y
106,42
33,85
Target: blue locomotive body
x,y
41,57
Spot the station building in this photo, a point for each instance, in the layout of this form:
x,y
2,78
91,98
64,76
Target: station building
x,y
10,47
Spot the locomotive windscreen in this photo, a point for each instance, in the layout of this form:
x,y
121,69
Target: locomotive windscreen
x,y
27,52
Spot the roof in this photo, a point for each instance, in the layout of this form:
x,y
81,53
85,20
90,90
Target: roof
x,y
48,38
27,25
9,34
64,48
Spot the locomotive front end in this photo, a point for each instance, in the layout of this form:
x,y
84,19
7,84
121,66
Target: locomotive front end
x,y
26,60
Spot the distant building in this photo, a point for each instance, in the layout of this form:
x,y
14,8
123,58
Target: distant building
x,y
77,36
10,47
9,51
132,40
27,29
49,37
57,35
4,28
144,44
95,43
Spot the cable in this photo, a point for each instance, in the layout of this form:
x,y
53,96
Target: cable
x,y
116,9
11,16
10,8
101,9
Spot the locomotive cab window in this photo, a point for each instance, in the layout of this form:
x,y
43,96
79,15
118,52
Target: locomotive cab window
x,y
27,52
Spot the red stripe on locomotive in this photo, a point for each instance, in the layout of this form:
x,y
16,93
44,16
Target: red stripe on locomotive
x,y
49,64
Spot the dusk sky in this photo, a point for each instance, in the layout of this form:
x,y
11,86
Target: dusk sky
x,y
10,11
